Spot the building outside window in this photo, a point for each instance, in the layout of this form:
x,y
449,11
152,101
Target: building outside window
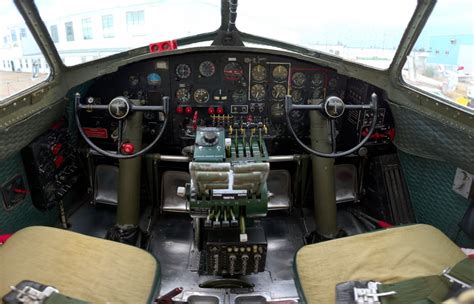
x,y
87,28
69,31
13,33
54,33
26,63
135,19
22,33
107,26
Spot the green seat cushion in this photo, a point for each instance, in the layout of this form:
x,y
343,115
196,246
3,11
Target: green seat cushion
x,y
82,267
387,256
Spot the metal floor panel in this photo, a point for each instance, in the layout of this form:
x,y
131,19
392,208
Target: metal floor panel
x,y
172,245
93,220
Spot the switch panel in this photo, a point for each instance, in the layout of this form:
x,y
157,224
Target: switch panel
x,y
51,165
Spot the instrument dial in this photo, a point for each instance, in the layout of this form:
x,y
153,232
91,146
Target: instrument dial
x,y
278,92
133,80
257,92
233,71
183,71
317,93
298,79
259,73
183,95
207,68
317,80
297,96
277,110
153,79
239,96
280,72
201,95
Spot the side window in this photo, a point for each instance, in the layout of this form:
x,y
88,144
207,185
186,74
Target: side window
x,y
442,62
19,53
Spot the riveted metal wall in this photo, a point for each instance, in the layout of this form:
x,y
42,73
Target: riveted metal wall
x,y
11,164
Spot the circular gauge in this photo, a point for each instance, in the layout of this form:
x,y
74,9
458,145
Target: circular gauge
x,y
257,91
183,71
259,72
233,71
298,79
277,110
239,96
133,80
153,79
332,84
317,80
297,96
280,72
317,93
201,95
278,91
183,95
207,68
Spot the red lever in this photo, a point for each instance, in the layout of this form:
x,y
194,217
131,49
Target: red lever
x,y
195,120
391,134
179,110
127,148
210,110
21,191
220,110
188,110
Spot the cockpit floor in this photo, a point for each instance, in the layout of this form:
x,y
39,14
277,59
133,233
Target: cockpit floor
x,y
172,239
172,245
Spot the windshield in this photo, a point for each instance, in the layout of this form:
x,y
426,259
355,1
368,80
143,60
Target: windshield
x,y
364,31
96,29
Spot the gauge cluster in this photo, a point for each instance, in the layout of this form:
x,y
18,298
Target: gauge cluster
x,y
226,89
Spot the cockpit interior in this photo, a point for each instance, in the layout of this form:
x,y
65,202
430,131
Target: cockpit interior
x,y
229,167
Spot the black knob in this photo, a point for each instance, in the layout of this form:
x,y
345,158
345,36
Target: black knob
x,y
210,137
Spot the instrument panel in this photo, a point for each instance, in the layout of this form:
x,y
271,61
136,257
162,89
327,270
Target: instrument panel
x,y
226,89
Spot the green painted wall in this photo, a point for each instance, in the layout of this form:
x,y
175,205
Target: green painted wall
x,y
435,203
24,214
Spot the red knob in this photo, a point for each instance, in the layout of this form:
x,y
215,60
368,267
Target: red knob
x,y
56,148
127,148
179,110
210,110
188,110
220,110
